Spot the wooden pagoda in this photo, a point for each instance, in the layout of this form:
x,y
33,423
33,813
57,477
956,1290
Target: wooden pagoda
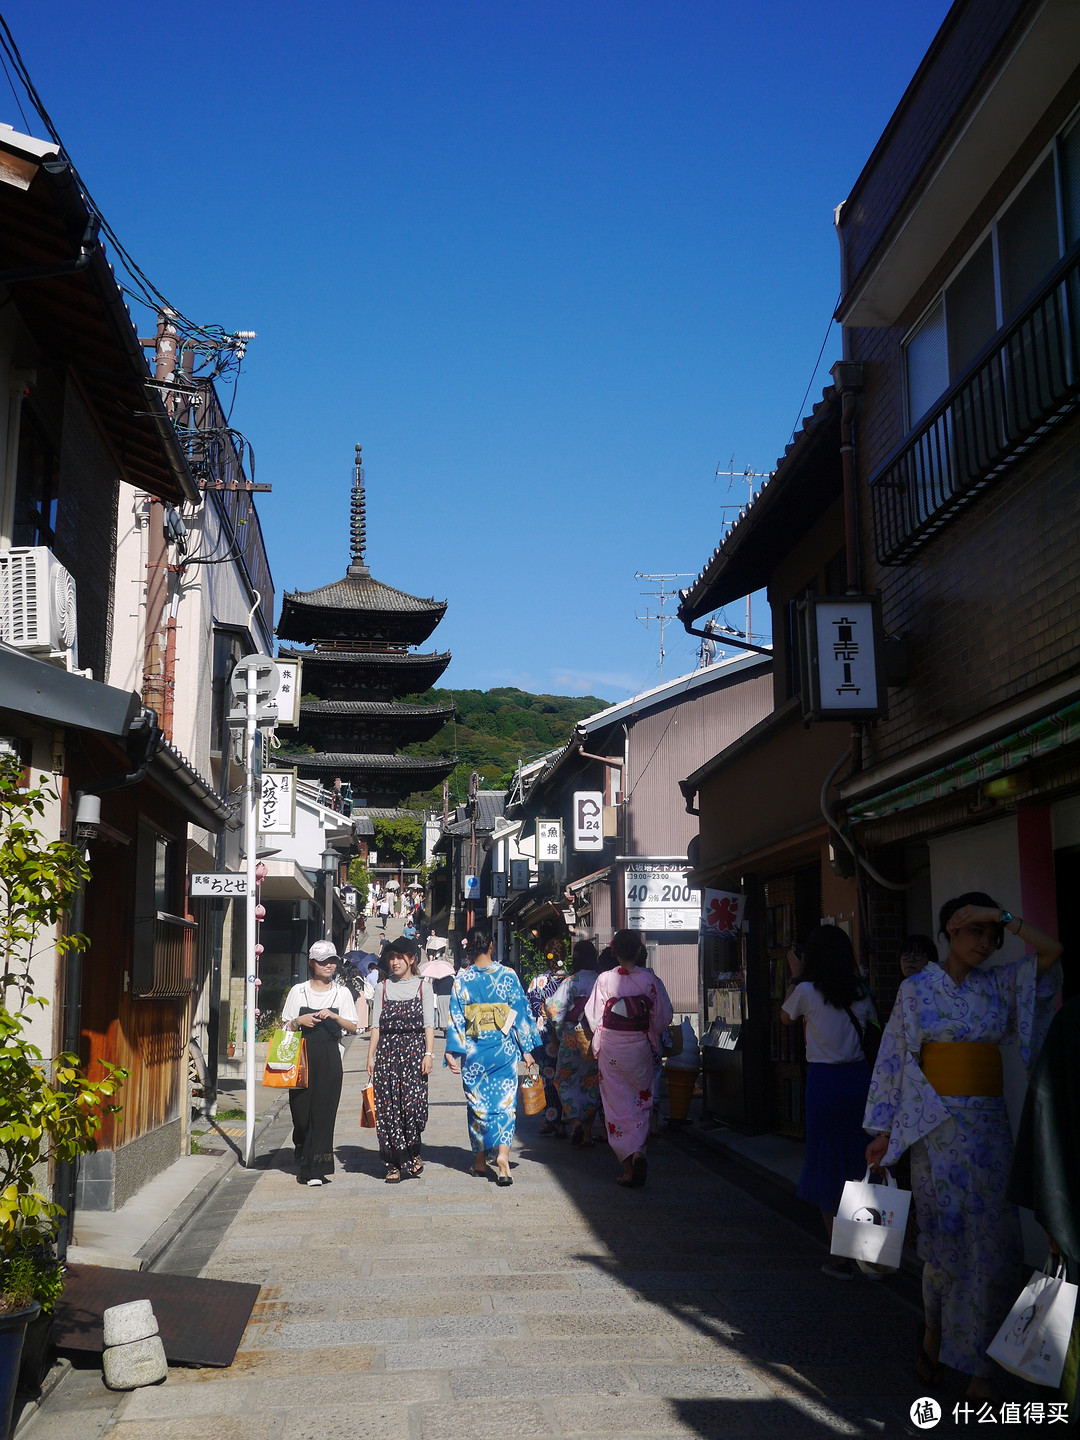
x,y
359,664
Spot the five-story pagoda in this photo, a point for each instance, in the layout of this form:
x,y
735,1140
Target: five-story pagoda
x,y
359,665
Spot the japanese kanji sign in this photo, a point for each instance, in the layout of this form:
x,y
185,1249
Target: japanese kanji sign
x,y
659,897
588,820
519,876
288,695
277,802
842,657
722,914
548,841
219,884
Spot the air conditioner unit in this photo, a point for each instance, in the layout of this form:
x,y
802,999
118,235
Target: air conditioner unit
x,y
37,603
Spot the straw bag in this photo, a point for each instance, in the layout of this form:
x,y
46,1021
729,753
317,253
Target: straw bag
x,y
286,1061
367,1111
532,1094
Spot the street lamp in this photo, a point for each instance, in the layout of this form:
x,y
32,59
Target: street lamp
x,y
330,860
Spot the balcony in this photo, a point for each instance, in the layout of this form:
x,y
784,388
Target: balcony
x,y
1025,382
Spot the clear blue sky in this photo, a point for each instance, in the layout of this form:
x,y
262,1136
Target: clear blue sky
x,y
549,262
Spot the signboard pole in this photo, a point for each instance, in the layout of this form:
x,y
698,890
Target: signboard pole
x,y
250,801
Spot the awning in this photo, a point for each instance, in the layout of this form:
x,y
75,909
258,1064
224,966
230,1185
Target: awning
x,y
587,880
36,690
197,798
1008,753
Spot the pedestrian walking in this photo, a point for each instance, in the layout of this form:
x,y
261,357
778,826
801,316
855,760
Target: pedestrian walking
x,y
384,911
937,1089
323,1010
540,991
401,1054
576,1073
826,993
490,1031
627,1012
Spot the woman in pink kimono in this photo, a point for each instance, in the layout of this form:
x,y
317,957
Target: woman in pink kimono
x,y
627,1011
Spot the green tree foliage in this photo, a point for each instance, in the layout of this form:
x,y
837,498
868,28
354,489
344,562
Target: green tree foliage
x,y
46,1113
398,840
498,729
360,880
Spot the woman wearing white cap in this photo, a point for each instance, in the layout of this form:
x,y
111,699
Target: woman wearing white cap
x,y
322,1009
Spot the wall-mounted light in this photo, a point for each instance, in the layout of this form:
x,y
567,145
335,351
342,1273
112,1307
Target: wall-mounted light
x,y
88,817
1005,787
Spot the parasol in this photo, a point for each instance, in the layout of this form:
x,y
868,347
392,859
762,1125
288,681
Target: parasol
x,y
437,969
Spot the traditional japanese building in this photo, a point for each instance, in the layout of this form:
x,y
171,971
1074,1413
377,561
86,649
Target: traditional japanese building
x,y
359,665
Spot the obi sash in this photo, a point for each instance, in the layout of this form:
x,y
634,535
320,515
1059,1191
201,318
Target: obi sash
x,y
481,1019
963,1067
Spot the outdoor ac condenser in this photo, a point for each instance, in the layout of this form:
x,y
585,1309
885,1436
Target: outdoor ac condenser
x,y
37,603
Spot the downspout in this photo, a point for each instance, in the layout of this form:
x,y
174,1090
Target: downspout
x,y
722,639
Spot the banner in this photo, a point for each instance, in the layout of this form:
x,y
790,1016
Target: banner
x,y
722,913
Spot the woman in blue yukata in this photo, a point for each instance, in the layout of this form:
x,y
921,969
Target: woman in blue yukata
x,y
490,1031
938,1090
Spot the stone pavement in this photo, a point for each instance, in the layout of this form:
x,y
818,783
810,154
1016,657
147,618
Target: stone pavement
x,y
563,1306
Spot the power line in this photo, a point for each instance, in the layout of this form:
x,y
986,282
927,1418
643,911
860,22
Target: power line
x,y
813,373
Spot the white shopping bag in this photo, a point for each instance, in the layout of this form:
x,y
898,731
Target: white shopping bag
x,y
870,1224
1033,1341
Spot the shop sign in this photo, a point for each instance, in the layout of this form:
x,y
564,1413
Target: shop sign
x,y
722,914
588,820
519,876
548,841
842,657
277,802
659,897
288,696
499,884
219,884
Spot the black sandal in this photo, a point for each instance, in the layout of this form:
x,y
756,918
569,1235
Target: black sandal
x,y
393,1176
577,1135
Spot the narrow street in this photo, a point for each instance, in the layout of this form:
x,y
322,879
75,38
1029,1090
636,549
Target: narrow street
x,y
564,1306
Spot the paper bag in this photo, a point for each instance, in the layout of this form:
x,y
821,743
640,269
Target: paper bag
x,y
293,1078
1035,1336
870,1224
367,1108
284,1049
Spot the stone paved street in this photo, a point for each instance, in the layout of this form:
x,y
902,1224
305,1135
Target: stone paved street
x,y
447,1308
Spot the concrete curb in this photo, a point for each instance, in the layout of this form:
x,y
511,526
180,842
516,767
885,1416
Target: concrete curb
x,y
170,1229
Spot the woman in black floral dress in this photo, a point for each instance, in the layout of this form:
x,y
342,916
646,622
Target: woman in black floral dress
x,y
400,1056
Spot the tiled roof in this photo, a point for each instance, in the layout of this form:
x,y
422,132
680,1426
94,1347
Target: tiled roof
x,y
333,760
375,708
367,657
363,592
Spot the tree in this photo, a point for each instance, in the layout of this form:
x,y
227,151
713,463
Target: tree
x,y
398,840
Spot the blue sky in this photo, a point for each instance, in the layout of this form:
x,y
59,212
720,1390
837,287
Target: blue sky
x,y
549,262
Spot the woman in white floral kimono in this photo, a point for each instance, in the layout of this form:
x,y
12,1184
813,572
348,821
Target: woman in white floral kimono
x,y
937,1090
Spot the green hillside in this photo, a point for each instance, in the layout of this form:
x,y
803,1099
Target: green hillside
x,y
496,729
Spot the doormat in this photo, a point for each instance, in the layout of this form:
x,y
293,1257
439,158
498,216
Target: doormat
x,y
201,1322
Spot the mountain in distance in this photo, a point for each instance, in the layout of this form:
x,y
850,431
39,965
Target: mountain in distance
x,y
495,731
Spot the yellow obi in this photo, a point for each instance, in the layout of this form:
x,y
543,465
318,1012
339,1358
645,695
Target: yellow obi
x,y
963,1067
480,1019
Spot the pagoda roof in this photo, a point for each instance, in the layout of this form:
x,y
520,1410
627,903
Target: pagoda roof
x,y
366,722
403,672
358,607
376,709
395,773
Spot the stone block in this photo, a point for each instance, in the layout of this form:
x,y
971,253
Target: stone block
x,y
140,1363
135,1320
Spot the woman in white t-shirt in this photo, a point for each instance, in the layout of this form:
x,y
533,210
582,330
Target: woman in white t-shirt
x,y
828,995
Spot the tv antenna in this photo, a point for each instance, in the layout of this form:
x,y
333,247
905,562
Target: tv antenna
x,y
748,476
663,595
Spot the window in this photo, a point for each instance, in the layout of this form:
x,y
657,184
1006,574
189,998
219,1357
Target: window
x,y
1025,242
229,646
36,486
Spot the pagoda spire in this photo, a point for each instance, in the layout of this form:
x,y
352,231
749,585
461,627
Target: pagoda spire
x,y
358,520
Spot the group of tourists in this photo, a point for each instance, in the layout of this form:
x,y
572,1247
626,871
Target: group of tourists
x,y
602,1028
931,1088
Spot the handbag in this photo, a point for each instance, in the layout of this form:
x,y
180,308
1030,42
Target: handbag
x,y
869,1037
281,1073
532,1094
367,1108
1034,1339
870,1223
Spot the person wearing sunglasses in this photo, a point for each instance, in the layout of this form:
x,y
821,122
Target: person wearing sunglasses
x,y
323,1010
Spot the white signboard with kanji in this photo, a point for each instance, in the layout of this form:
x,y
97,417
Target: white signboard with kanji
x,y
659,897
288,696
843,657
277,802
219,884
548,841
588,820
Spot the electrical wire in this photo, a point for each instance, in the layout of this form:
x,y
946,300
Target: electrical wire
x,y
802,404
14,92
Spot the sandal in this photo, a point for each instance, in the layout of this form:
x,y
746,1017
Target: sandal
x,y
577,1135
393,1176
547,1128
639,1171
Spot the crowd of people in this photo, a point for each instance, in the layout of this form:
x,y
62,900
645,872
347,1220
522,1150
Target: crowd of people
x,y
928,1086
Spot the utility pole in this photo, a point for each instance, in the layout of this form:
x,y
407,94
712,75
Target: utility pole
x,y
663,595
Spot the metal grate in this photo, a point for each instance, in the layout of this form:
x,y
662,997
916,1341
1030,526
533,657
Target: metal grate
x,y
1024,383
172,968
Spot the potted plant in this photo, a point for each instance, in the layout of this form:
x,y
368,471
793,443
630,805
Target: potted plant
x,y
232,1031
49,1111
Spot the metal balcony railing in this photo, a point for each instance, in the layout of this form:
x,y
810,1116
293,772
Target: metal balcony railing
x,y
1026,381
163,964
